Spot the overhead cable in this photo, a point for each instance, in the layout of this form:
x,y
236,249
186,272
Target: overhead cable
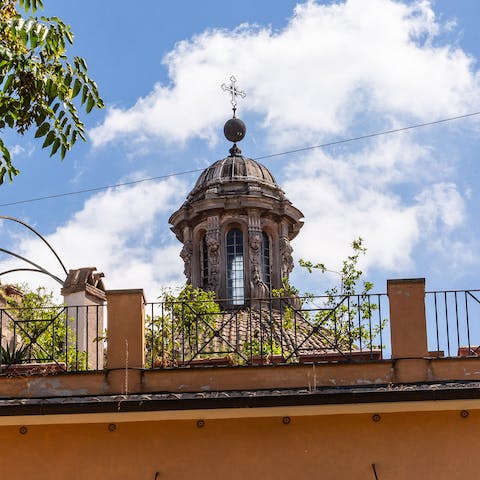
x,y
263,157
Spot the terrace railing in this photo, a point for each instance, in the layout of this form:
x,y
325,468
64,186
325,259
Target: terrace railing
x,y
453,322
54,338
344,328
272,331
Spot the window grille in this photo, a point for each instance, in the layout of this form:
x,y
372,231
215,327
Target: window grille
x,y
235,270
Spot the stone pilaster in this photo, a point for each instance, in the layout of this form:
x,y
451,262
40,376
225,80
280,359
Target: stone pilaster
x,y
212,239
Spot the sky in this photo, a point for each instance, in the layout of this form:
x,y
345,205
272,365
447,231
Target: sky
x,y
314,72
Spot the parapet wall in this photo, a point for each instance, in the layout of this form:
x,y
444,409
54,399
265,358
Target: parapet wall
x,y
126,373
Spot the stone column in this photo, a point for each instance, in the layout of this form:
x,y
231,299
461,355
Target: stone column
x,y
84,298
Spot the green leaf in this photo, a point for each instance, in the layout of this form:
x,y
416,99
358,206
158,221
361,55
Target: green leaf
x,y
24,36
42,130
10,121
84,93
76,87
55,147
8,82
49,139
41,118
68,80
90,103
33,39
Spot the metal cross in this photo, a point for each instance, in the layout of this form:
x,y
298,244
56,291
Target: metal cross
x,y
232,89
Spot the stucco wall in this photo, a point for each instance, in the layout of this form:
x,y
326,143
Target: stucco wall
x,y
428,445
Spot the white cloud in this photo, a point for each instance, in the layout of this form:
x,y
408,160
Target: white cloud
x,y
20,150
122,232
350,196
443,208
17,150
330,64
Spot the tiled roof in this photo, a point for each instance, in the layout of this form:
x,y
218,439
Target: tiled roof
x,y
249,333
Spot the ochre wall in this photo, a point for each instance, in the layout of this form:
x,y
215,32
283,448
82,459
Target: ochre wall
x,y
428,445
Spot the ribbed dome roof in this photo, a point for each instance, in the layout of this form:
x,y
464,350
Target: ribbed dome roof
x,y
234,168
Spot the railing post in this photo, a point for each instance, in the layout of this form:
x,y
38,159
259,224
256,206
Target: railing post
x,y
126,329
408,326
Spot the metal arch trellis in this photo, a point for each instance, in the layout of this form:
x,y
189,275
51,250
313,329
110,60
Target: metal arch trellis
x,y
38,268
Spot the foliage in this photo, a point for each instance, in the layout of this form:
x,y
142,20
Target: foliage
x,y
263,347
46,333
184,320
14,354
39,85
346,314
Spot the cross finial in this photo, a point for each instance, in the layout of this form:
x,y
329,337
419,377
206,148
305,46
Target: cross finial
x,y
232,89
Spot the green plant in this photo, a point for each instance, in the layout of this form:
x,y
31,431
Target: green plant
x,y
258,346
39,84
347,312
46,333
12,354
184,324
344,315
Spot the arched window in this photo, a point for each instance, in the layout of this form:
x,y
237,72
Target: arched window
x,y
203,263
266,259
235,276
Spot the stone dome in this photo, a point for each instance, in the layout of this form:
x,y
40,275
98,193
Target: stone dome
x,y
233,171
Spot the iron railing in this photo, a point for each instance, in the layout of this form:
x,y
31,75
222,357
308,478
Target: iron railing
x,y
54,338
272,331
453,322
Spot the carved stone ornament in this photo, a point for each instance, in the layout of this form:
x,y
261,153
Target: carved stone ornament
x,y
258,287
286,256
213,248
186,254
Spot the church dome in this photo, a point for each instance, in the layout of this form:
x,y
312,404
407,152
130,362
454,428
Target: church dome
x,y
231,172
236,168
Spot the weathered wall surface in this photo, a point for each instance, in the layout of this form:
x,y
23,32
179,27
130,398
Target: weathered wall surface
x,y
123,381
429,445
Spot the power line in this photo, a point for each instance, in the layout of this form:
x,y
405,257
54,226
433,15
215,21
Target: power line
x,y
263,157
369,135
96,189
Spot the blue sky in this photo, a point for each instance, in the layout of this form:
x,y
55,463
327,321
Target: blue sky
x,y
314,72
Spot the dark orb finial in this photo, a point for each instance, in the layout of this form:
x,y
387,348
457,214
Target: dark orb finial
x,y
234,130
